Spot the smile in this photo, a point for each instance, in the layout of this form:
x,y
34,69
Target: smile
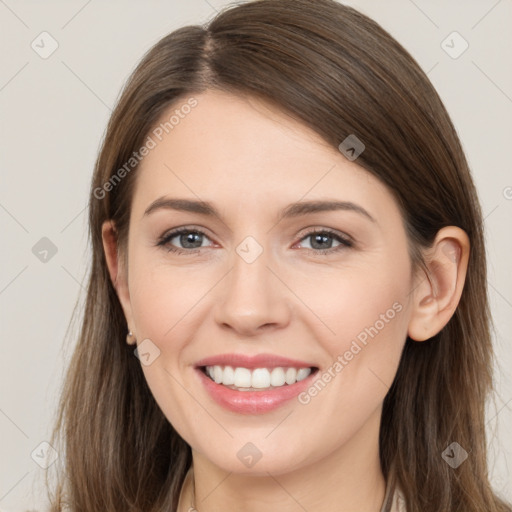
x,y
254,383
257,379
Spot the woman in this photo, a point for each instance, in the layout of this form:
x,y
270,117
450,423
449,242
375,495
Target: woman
x,y
286,308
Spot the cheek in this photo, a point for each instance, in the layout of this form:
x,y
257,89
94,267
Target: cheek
x,y
162,296
162,300
357,304
367,310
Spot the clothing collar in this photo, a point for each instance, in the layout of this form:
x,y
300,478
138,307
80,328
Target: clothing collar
x,y
393,499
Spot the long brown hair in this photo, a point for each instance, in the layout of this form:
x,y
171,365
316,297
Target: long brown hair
x,y
340,73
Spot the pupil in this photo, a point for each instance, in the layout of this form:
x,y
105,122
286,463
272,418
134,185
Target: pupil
x,y
189,239
321,239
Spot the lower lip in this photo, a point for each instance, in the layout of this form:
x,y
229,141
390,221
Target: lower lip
x,y
253,402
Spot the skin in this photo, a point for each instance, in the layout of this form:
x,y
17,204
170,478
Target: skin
x,y
251,161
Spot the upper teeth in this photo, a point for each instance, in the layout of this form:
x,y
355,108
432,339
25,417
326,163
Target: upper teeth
x,y
258,378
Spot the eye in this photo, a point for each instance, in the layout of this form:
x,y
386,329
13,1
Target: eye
x,y
321,241
190,240
187,240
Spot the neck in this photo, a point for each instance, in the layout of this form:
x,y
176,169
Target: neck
x,y
349,479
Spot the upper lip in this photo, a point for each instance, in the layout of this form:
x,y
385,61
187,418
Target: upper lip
x,y
251,362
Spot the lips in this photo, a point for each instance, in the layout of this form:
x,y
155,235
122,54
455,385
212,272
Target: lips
x,y
249,401
252,362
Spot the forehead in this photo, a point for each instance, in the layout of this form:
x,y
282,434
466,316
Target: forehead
x,y
233,148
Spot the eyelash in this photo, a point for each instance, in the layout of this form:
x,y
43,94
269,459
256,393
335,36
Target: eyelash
x,y
164,240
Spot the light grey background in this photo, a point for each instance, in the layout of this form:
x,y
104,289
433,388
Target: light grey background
x,y
53,115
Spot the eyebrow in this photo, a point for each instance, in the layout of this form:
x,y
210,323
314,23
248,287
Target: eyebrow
x,y
291,211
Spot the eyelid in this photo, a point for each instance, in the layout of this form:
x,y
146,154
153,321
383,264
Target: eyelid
x,y
312,230
345,241
168,235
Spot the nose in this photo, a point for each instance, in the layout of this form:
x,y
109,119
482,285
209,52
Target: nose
x,y
252,298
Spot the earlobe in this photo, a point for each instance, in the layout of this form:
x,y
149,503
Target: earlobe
x,y
437,293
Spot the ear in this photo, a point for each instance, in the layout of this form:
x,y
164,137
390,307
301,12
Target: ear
x,y
118,274
437,293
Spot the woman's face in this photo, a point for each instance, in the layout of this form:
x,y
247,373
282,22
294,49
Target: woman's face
x,y
274,272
